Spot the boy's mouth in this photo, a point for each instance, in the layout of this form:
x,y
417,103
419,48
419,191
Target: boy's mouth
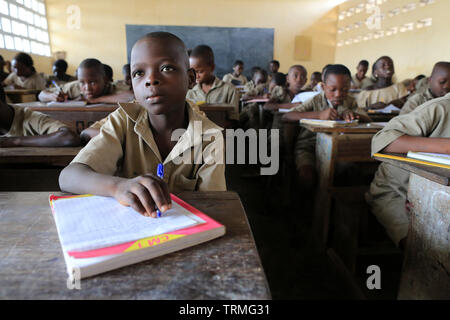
x,y
154,98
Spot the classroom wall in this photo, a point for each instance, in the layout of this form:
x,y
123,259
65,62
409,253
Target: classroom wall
x,y
414,52
102,25
41,63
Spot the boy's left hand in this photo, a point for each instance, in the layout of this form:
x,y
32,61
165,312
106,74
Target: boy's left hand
x,y
348,115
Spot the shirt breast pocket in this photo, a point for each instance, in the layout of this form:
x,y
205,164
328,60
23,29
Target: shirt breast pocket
x,y
186,184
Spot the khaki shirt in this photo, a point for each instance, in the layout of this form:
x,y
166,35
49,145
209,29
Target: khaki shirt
x,y
416,100
250,86
73,90
367,97
363,84
32,123
388,190
229,77
125,147
422,85
36,81
258,90
220,92
279,95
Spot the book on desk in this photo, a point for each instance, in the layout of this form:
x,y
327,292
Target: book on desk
x,y
329,123
98,234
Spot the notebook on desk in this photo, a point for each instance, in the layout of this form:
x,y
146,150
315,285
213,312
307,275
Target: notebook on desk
x,y
329,123
67,104
388,109
431,157
97,234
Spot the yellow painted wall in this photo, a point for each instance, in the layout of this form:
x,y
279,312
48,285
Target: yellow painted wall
x,y
102,29
413,52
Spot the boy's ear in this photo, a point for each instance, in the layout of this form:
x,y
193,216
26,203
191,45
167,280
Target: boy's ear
x,y
191,77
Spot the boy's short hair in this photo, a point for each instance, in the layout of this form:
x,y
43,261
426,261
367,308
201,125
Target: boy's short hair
x,y
92,63
364,63
298,66
337,69
316,73
204,52
238,63
275,62
279,79
108,71
440,64
126,68
61,64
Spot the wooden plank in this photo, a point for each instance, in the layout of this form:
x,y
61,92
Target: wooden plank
x,y
426,266
354,147
21,95
435,174
225,268
50,156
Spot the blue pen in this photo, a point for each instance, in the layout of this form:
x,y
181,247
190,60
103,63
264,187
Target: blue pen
x,y
56,85
160,174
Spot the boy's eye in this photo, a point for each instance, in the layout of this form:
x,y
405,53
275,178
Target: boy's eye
x,y
167,68
138,74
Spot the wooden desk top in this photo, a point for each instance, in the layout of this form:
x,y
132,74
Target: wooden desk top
x,y
21,91
360,128
52,156
216,107
438,175
33,267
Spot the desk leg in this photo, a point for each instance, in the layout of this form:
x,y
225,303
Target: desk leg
x,y
326,145
426,266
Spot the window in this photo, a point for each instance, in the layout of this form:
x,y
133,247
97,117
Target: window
x,y
23,26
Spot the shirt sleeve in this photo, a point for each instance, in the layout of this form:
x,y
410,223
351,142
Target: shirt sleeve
x,y
9,79
211,174
233,99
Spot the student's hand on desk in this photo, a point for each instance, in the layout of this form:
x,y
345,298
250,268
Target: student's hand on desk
x,y
378,105
328,114
58,96
348,115
143,193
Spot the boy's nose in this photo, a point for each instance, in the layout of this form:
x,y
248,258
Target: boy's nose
x,y
152,80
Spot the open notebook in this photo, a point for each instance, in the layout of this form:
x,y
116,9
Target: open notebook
x,y
329,123
431,157
97,234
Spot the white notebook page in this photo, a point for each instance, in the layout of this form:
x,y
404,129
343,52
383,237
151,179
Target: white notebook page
x,y
94,222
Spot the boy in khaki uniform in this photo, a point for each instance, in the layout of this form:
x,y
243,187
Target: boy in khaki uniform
x,y
438,86
92,86
409,132
24,75
137,136
359,80
209,88
59,74
236,78
22,127
331,104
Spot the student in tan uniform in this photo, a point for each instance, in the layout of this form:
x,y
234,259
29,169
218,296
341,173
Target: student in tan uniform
x,y
59,74
296,79
438,86
359,80
332,104
384,91
236,78
257,87
426,129
259,77
274,66
121,161
22,127
92,86
209,88
316,78
24,75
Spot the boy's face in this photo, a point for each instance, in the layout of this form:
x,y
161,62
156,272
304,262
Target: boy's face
x,y
238,69
203,71
440,82
273,67
361,71
159,74
315,79
296,79
58,71
385,68
92,83
259,78
336,88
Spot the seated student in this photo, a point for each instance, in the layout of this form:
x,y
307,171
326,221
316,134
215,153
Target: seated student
x,y
124,84
3,74
278,92
257,75
384,92
24,75
121,162
426,129
359,80
256,88
332,104
316,78
439,86
296,79
92,86
22,127
274,66
59,74
236,78
209,88
108,72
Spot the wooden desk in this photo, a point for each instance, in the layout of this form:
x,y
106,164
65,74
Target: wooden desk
x,y
426,265
48,156
333,145
33,267
21,95
77,118
382,117
217,113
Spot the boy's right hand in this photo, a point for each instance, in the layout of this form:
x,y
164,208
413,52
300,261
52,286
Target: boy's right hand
x,y
58,96
144,194
328,114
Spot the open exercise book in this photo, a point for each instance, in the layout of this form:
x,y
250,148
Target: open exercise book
x,y
329,123
98,234
431,157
